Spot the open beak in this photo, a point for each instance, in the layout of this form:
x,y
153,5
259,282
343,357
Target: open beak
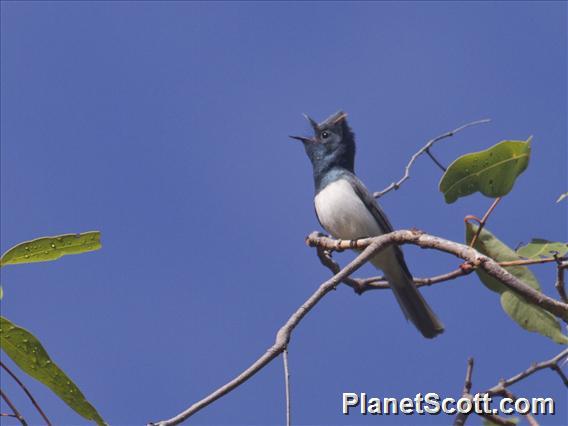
x,y
302,139
313,123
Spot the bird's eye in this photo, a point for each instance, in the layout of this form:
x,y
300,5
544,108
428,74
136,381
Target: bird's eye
x,y
324,134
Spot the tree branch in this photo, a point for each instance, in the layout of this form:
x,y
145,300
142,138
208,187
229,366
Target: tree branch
x,y
528,416
476,259
462,417
27,392
287,384
552,363
468,375
483,220
560,268
501,387
362,285
425,149
369,247
13,408
282,337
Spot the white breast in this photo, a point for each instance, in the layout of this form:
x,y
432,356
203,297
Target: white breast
x,y
343,214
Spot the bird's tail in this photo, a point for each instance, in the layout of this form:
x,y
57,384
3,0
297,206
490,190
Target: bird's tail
x,y
409,298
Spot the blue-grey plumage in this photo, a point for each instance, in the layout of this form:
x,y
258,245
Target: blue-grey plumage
x,y
347,210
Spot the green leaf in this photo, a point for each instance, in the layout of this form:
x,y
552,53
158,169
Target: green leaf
x,y
491,172
542,248
28,353
51,248
530,317
562,196
513,420
491,246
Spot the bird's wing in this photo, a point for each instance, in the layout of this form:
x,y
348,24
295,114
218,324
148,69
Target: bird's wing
x,y
378,214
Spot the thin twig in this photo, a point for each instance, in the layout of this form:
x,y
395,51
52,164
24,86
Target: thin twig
x,y
502,387
282,336
13,408
361,285
560,268
380,283
528,416
531,420
435,160
498,420
425,149
469,254
287,383
528,261
461,418
8,415
483,220
27,392
551,363
468,374
369,247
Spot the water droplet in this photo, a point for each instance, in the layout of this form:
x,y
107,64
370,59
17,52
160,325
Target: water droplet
x,y
59,238
52,245
27,248
27,256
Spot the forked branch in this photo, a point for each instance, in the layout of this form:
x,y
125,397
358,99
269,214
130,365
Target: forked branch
x,y
426,150
470,255
369,247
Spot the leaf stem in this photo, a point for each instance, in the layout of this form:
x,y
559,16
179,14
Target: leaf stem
x,y
484,220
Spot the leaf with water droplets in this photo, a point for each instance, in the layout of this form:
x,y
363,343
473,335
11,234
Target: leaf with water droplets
x,y
51,248
542,248
529,316
491,172
28,353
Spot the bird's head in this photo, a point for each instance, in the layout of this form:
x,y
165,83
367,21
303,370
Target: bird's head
x,y
333,143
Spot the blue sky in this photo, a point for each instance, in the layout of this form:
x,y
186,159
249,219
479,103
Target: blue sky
x,y
165,126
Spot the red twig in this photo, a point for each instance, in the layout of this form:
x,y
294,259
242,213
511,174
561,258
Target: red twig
x,y
483,220
13,408
27,392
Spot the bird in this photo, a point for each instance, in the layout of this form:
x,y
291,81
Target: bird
x,y
346,209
